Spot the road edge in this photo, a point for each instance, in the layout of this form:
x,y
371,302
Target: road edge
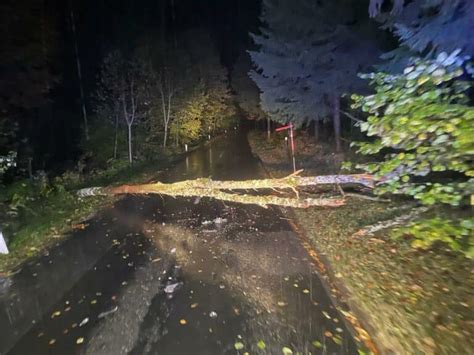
x,y
353,318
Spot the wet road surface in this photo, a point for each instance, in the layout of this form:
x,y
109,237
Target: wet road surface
x,y
159,275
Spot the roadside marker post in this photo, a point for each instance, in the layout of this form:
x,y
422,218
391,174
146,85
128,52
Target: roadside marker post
x,y
292,141
3,244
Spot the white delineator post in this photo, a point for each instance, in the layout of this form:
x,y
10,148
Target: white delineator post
x,y
3,244
292,141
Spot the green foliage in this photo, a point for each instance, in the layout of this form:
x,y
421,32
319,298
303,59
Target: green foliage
x,y
219,106
187,126
457,234
203,113
195,89
423,126
24,201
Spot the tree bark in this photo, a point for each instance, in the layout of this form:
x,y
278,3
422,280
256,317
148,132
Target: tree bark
x,y
222,189
165,138
269,127
116,135
130,156
168,115
165,116
337,122
30,168
316,130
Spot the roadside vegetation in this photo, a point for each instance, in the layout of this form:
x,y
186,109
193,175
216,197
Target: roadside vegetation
x,y
409,299
406,118
36,214
404,265
149,108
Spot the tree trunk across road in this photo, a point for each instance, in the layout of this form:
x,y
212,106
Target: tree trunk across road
x,y
226,190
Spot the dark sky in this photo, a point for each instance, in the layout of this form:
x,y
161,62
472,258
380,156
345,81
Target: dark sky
x,y
105,23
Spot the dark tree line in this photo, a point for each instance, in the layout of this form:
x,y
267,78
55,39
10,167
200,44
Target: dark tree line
x,y
45,107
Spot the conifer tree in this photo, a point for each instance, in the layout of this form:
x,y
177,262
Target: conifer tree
x,y
309,56
426,28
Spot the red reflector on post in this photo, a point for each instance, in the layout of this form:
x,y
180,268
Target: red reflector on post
x,y
282,128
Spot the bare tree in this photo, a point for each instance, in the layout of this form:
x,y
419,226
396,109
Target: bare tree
x,y
166,89
135,87
122,91
129,113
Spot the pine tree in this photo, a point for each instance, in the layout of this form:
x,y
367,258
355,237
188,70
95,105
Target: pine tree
x,y
426,28
309,55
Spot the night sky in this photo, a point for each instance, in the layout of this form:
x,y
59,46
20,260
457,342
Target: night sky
x,y
106,23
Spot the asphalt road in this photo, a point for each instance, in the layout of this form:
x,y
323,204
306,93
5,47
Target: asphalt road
x,y
157,275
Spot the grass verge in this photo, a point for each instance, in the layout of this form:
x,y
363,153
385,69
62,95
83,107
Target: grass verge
x,y
411,301
38,215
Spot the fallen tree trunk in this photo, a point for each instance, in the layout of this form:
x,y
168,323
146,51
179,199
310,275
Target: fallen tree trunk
x,y
220,189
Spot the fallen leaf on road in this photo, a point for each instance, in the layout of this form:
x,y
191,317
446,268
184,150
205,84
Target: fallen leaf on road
x,y
317,344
